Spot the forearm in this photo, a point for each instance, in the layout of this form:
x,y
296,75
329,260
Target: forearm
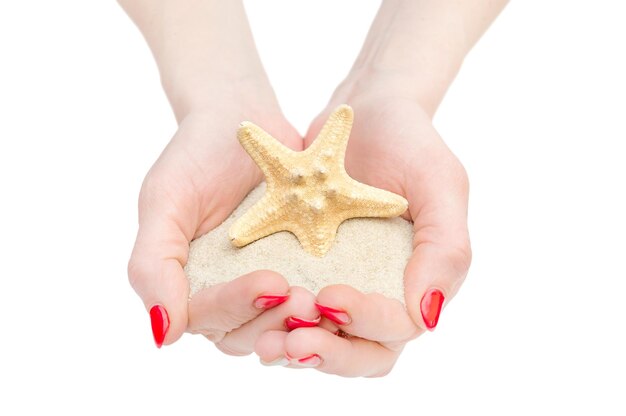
x,y
416,47
204,50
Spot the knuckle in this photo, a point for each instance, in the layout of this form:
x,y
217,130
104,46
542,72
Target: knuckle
x,y
136,273
299,295
382,373
227,321
458,174
301,303
213,335
387,309
460,255
338,295
266,281
272,278
149,192
300,342
228,349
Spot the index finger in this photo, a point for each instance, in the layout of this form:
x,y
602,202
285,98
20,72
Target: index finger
x,y
370,316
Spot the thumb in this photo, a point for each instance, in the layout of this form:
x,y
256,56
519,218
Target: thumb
x,y
155,271
433,275
442,253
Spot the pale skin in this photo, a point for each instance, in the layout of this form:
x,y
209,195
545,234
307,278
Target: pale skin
x,y
214,79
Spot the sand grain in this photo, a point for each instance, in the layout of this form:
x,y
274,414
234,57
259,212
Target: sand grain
x,y
369,254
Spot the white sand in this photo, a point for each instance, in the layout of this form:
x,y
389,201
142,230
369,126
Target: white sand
x,y
369,254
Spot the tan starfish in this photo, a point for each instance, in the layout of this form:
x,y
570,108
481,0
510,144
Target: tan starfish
x,y
309,193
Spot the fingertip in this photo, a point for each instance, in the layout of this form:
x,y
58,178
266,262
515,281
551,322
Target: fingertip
x,y
164,290
430,307
302,342
270,346
339,294
265,282
433,276
371,316
178,319
425,308
229,305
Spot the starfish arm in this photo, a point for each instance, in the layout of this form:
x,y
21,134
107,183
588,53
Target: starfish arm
x,y
270,155
317,240
332,140
362,201
262,219
309,193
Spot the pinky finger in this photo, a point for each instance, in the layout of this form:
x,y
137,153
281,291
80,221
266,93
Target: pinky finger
x,y
347,357
270,347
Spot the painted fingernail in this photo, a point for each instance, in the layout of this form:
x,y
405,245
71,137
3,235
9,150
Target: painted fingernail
x,y
431,304
160,321
292,322
336,315
281,361
269,301
309,361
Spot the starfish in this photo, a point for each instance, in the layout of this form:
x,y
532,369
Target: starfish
x,y
308,193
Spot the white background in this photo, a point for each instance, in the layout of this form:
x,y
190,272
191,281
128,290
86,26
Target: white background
x,y
537,115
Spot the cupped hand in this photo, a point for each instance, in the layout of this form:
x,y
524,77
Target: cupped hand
x,y
198,180
393,146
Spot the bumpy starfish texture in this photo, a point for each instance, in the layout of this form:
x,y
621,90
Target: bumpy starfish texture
x,y
308,193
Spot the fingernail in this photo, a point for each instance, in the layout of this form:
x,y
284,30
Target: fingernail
x,y
309,361
292,322
336,315
160,324
431,304
281,361
269,301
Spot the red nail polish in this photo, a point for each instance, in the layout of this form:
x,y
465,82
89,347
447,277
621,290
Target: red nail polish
x,y
269,301
312,360
292,322
336,315
160,324
431,307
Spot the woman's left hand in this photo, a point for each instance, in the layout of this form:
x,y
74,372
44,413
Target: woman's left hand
x,y
393,146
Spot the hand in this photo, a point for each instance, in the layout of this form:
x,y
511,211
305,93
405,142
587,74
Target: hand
x,y
214,79
393,146
198,180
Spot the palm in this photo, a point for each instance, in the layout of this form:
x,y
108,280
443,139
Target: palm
x,y
203,174
198,180
394,146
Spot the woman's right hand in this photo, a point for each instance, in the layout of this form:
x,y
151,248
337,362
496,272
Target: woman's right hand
x,y
214,80
198,180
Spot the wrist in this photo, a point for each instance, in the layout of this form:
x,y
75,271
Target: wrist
x,y
410,55
383,85
224,109
220,93
205,52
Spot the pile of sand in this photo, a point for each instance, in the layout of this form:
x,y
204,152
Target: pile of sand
x,y
369,254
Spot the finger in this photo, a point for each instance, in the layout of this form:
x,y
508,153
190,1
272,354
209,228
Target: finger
x,y
219,309
156,273
442,253
371,316
270,347
348,357
301,305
